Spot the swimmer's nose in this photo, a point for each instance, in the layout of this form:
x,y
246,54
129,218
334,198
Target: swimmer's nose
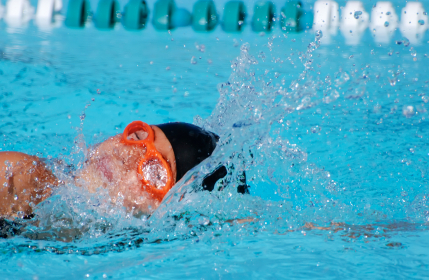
x,y
138,135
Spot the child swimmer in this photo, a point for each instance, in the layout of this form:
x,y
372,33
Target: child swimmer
x,y
142,164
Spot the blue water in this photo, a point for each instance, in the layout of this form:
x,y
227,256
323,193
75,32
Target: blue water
x,y
329,134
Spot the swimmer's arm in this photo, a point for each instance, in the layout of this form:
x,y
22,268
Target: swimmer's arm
x,y
24,182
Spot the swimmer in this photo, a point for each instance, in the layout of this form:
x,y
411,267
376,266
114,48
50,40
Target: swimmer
x,y
141,165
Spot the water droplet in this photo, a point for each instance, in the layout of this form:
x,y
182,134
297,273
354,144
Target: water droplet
x,y
82,117
425,99
203,221
408,111
316,129
357,14
406,42
15,197
186,93
386,24
5,184
193,60
201,48
236,43
261,55
388,13
421,22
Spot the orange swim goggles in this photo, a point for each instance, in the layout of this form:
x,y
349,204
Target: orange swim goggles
x,y
155,173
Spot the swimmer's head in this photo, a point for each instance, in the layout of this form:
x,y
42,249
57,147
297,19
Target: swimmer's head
x,y
191,144
114,165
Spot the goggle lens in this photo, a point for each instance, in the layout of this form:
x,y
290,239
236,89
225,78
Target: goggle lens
x,y
155,174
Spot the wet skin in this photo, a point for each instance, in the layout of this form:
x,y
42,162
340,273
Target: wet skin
x,y
25,181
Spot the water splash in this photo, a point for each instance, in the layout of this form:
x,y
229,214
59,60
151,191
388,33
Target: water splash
x,y
255,117
251,117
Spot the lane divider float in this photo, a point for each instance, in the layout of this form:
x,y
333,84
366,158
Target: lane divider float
x,y
326,18
46,10
234,15
78,13
18,12
264,14
414,22
135,14
384,21
290,16
162,14
354,22
108,14
204,16
293,17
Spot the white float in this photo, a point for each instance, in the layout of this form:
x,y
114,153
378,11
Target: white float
x,y
46,13
354,21
414,22
18,12
46,9
384,21
326,18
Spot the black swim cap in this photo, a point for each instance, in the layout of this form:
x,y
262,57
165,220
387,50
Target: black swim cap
x,y
191,144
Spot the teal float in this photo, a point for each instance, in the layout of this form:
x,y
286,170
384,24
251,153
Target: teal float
x,y
166,16
234,15
108,13
181,17
162,14
290,16
135,14
77,13
263,16
204,16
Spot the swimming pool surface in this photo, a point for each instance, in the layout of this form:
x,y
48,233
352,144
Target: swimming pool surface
x,y
330,135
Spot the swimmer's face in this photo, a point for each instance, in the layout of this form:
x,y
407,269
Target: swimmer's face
x,y
113,165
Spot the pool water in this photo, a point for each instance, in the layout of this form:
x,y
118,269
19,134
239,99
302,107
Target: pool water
x,y
333,139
